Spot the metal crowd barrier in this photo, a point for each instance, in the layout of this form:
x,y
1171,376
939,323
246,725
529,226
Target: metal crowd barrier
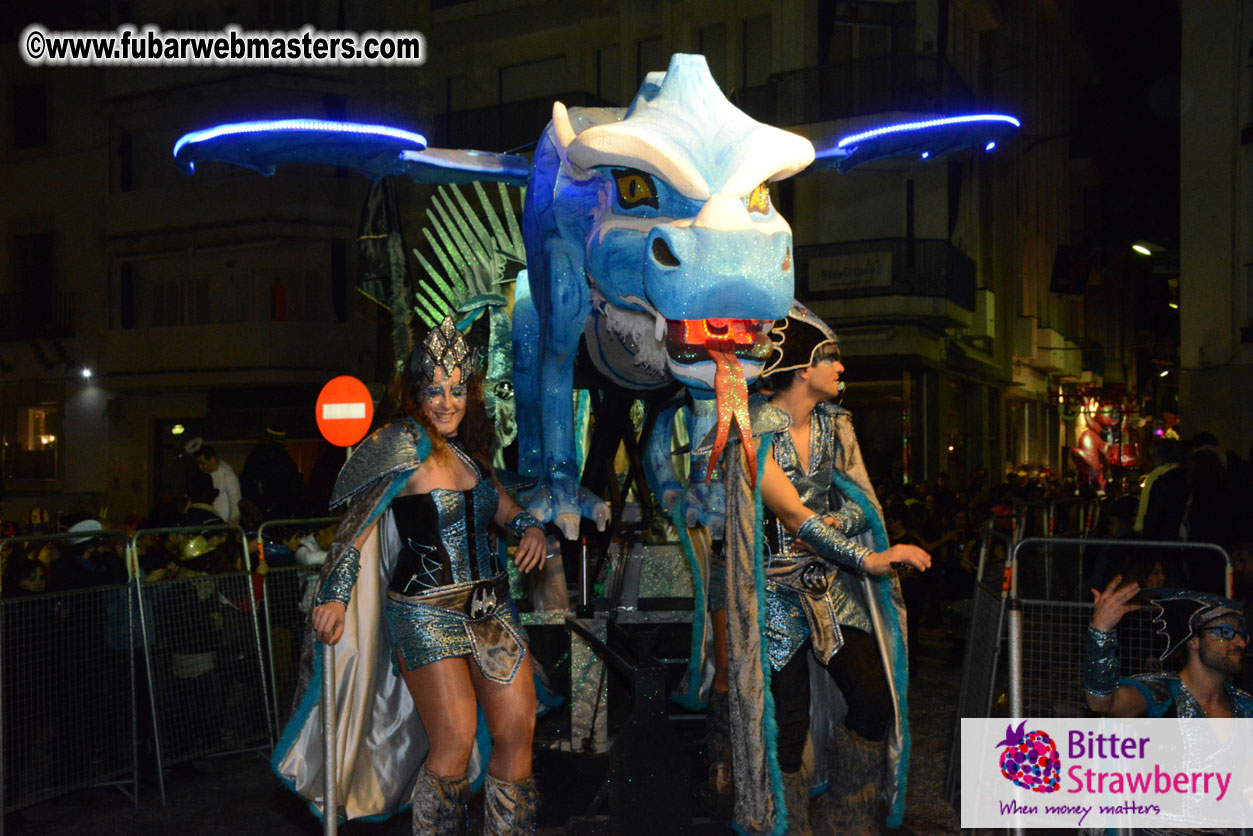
x,y
983,642
67,683
1050,634
287,598
207,682
1041,626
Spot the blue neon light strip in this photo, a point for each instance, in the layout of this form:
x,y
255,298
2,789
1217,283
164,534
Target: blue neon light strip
x,y
922,126
322,125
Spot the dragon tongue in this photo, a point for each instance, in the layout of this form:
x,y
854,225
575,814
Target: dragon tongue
x,y
731,394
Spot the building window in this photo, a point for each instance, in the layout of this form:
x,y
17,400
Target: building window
x,y
290,282
758,49
609,74
650,56
534,79
32,263
712,42
30,115
31,439
850,41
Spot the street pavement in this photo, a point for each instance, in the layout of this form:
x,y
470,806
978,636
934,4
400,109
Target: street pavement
x,y
239,796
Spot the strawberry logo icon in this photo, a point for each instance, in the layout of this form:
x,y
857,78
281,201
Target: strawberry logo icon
x,y
1030,759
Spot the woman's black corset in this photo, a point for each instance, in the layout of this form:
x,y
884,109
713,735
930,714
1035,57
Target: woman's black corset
x,y
442,540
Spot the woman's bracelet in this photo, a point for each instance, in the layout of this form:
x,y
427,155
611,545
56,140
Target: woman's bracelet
x,y
1101,668
522,521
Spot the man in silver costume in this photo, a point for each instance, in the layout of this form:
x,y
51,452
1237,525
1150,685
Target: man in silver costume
x,y
829,600
416,602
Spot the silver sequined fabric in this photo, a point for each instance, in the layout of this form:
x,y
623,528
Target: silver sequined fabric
x,y
1162,691
784,614
423,633
388,451
786,626
342,578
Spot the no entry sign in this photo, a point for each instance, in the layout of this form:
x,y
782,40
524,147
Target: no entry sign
x,y
344,411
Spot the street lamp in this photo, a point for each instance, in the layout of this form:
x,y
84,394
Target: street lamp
x,y
1147,248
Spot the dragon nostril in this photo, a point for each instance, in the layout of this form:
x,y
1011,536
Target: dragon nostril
x,y
662,254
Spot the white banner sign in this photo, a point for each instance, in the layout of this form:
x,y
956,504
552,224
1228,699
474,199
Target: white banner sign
x,y
851,270
1106,773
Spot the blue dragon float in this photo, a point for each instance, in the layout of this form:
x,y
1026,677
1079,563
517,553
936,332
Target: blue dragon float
x,y
651,245
654,257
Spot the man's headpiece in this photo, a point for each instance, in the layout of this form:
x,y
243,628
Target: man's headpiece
x,y
797,340
445,346
1181,614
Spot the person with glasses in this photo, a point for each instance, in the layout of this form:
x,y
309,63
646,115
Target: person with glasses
x,y
1211,630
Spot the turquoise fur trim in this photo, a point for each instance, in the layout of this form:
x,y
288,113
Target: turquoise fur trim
x,y
482,742
308,702
759,580
696,653
900,673
547,699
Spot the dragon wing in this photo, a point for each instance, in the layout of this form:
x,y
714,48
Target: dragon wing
x,y
376,151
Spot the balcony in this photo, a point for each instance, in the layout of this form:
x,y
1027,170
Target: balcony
x,y
228,353
505,126
44,315
890,279
923,84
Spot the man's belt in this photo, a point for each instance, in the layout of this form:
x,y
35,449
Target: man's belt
x,y
811,577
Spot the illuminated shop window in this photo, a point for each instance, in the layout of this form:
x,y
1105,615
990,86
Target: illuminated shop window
x,y
32,436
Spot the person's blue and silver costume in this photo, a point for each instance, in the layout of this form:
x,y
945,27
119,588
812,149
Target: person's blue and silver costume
x,y
778,596
1178,616
423,583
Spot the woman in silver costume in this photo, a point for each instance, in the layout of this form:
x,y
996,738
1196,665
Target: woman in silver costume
x,y
421,564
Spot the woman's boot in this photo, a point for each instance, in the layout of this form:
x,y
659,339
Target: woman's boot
x,y
439,805
510,807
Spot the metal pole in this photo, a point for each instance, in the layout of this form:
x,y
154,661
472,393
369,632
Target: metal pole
x,y
256,633
152,693
330,805
585,582
1015,672
1015,657
132,597
2,741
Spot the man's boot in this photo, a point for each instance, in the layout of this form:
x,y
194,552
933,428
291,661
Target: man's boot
x,y
439,805
851,806
510,807
796,796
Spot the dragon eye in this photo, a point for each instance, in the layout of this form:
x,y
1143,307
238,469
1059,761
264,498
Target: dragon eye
x,y
759,200
635,188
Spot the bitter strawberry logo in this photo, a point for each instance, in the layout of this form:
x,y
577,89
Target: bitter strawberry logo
x,y
1030,759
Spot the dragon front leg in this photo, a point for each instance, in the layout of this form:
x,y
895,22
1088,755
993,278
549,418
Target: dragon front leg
x,y
562,312
663,481
526,383
704,501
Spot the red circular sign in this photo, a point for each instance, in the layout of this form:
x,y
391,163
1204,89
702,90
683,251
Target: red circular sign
x,y
344,411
